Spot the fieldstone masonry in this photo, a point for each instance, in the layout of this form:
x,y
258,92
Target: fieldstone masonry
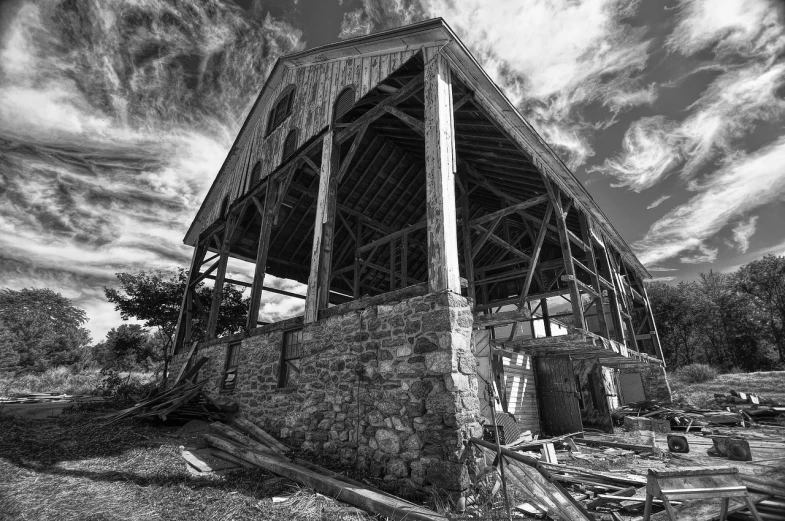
x,y
386,382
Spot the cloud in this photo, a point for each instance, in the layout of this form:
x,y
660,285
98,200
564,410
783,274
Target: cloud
x,y
570,55
705,255
660,279
114,120
742,233
740,186
658,202
658,268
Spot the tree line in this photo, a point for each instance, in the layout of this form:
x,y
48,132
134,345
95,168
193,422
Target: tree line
x,y
40,328
728,320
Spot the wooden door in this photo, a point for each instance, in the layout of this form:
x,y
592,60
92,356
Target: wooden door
x,y
559,409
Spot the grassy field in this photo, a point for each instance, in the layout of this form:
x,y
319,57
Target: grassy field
x,y
60,380
766,384
71,468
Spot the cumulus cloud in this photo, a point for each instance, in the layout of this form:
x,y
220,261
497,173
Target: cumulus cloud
x,y
736,189
114,120
742,233
658,202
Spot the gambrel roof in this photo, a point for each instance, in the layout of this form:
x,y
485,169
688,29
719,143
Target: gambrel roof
x,y
498,145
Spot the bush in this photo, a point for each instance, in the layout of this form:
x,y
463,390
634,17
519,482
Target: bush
x,y
123,389
697,373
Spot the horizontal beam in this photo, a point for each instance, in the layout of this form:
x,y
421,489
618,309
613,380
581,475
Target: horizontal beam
x,y
510,209
393,236
264,288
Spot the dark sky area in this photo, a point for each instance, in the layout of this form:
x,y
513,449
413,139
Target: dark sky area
x,y
116,115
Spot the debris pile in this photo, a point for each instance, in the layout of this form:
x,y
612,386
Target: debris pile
x,y
184,401
246,442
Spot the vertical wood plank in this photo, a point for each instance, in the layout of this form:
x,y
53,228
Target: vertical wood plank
x,y
321,253
569,267
220,273
443,273
591,263
357,244
366,81
467,240
261,259
405,260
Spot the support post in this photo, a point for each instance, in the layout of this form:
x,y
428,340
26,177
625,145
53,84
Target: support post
x,y
266,211
220,274
321,257
467,241
443,273
564,239
591,263
404,260
183,328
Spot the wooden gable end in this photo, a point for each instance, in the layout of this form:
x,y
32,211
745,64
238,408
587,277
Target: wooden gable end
x,y
318,85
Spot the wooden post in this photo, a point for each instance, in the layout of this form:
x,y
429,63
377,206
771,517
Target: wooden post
x,y
357,245
467,239
546,317
321,257
443,273
566,251
613,299
183,328
220,273
591,263
392,265
404,260
655,334
266,212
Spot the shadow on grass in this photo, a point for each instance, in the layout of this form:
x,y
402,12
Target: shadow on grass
x,y
76,444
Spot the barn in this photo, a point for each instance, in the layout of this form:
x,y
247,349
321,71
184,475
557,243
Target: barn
x,y
458,275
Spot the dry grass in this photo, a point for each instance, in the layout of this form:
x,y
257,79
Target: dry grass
x,y
60,380
71,468
769,384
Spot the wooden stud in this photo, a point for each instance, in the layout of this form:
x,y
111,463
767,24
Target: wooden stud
x,y
261,258
595,278
575,296
215,305
443,271
467,238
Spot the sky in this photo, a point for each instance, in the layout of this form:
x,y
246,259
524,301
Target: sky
x,y
116,115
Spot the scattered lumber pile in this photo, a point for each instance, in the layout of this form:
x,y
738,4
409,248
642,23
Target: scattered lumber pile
x,y
247,442
184,401
679,418
742,398
39,398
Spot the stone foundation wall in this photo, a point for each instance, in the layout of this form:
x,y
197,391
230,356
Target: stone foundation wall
x,y
387,383
655,381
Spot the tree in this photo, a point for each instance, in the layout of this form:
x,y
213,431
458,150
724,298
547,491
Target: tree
x,y
154,297
764,281
47,325
674,309
127,347
10,346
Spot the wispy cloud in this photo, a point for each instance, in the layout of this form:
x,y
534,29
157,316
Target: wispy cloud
x,y
704,255
742,233
114,120
736,189
658,202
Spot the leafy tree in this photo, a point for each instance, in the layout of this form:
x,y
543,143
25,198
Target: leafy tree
x,y
674,309
154,297
764,281
47,326
10,346
127,347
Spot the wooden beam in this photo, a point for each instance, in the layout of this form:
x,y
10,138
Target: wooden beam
x,y
321,257
443,272
501,242
215,305
379,110
185,317
413,123
468,261
575,297
393,236
261,257
535,256
511,209
594,274
485,236
352,151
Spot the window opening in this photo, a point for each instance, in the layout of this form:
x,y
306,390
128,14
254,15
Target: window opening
x,y
230,369
291,353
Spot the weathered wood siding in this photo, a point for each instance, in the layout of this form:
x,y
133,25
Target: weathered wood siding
x,y
317,85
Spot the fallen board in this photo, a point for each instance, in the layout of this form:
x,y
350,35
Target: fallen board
x,y
363,498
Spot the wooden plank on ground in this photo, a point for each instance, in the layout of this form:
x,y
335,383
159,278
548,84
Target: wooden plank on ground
x,y
238,437
365,499
259,434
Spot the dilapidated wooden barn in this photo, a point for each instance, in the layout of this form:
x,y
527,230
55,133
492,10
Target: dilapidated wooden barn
x,y
447,252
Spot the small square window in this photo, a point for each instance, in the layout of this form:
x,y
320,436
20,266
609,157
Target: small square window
x,y
230,369
291,352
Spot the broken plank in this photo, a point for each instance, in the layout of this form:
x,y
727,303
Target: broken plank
x,y
238,437
365,499
259,434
